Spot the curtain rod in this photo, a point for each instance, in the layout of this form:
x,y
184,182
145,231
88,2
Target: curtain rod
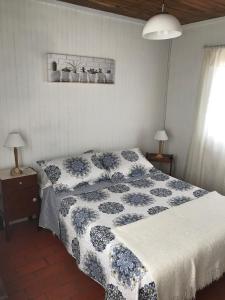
x,y
214,46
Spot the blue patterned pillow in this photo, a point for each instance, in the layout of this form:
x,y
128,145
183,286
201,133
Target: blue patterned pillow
x,y
121,164
73,171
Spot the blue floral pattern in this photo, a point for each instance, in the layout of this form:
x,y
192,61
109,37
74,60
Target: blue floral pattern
x,y
111,207
148,292
178,200
126,266
159,176
137,171
113,293
156,209
199,193
129,163
82,217
109,160
61,189
179,185
94,196
41,163
81,185
97,161
127,219
94,269
76,250
153,170
130,155
77,166
137,199
86,225
103,178
119,188
53,173
117,177
101,236
73,171
161,192
142,183
65,205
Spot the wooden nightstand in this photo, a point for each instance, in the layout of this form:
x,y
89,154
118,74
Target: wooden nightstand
x,y
18,196
166,158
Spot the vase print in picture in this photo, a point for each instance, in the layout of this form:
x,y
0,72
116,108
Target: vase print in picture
x,y
65,75
55,75
109,76
83,75
74,76
92,75
101,76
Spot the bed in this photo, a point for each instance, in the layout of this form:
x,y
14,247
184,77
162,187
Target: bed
x,y
82,209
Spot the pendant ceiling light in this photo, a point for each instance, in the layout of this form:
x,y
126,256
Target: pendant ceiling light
x,y
162,27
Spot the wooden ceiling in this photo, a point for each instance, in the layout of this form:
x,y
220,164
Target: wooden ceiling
x,y
187,11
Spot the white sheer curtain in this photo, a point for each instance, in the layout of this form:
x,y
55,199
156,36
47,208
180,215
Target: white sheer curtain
x,y
206,160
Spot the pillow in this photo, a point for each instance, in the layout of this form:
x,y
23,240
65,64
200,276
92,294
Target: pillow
x,y
73,170
124,164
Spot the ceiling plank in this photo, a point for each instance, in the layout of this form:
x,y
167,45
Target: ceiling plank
x,y
187,11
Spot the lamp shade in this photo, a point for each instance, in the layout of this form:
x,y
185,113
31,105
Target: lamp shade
x,y
161,135
14,140
161,27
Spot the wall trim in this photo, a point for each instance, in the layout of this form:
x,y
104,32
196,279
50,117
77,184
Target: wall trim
x,y
92,11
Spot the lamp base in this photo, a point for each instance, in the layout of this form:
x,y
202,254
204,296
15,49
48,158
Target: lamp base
x,y
159,155
16,171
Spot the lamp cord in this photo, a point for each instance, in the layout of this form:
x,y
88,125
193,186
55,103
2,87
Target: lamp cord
x,y
163,6
167,81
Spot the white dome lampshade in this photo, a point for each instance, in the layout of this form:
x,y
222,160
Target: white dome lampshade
x,y
162,27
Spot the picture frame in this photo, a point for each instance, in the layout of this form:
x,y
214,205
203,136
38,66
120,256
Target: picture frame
x,y
80,69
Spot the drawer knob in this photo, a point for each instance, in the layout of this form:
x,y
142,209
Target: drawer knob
x,y
34,199
20,182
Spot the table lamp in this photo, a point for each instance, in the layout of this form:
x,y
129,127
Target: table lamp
x,y
161,136
15,140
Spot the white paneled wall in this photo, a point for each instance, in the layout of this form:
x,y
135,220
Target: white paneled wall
x,y
60,118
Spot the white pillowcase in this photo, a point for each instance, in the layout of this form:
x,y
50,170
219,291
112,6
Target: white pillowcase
x,y
129,163
73,170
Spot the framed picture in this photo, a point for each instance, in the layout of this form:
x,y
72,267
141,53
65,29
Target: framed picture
x,y
85,69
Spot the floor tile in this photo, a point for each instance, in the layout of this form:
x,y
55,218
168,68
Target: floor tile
x,y
34,265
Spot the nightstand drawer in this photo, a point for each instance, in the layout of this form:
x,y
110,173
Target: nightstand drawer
x,y
20,183
22,204
18,196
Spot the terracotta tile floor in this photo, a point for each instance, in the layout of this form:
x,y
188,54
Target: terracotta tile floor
x,y
35,265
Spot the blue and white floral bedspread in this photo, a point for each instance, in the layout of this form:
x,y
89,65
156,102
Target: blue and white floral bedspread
x,y
86,221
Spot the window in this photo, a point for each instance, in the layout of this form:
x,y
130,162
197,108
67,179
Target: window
x,y
206,159
215,116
